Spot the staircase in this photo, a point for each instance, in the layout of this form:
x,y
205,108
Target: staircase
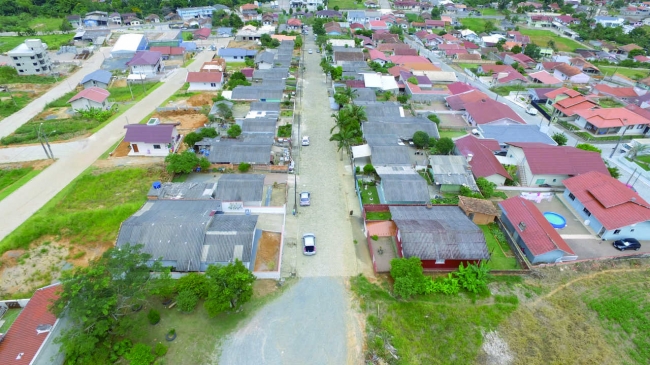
x,y
523,179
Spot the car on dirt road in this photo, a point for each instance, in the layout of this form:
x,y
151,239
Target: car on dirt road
x,y
627,244
305,199
309,244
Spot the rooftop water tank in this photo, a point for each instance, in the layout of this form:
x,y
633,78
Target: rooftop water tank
x,y
157,185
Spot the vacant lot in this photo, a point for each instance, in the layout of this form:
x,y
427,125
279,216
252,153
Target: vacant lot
x,y
585,313
53,41
475,24
346,4
633,73
541,38
13,176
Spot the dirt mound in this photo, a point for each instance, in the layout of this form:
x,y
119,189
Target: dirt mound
x,y
188,119
173,113
268,251
200,99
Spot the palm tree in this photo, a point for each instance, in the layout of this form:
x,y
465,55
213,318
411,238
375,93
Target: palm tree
x,y
343,138
350,93
356,112
638,150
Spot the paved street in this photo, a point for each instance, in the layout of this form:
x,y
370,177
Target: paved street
x,y
24,202
313,322
12,122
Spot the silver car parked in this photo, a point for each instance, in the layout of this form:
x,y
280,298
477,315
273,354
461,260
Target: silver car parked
x,y
309,244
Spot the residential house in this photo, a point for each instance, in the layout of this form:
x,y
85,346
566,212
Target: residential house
x,y
92,97
451,173
489,111
236,54
504,134
30,338
340,57
74,20
520,58
170,53
294,24
98,78
571,74
480,154
203,33
200,11
152,139
467,57
479,211
459,100
543,77
128,45
623,51
377,56
609,21
333,28
540,21
643,59
329,14
459,88
377,25
608,206
626,94
96,19
538,94
534,235
502,74
249,12
146,63
540,163
254,149
442,237
616,121
265,60
584,66
31,58
204,81
403,188
152,18
643,83
246,189
115,18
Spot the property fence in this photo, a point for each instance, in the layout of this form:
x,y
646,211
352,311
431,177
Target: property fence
x,y
536,105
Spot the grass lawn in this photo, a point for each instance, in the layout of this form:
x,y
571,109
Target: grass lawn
x,y
490,11
642,161
198,334
467,65
541,38
7,106
475,24
11,180
9,319
369,195
451,133
505,90
590,137
378,216
53,41
123,94
632,73
43,24
345,4
430,329
501,257
90,209
609,103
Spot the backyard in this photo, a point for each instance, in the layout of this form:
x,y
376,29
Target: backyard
x,y
451,133
598,310
369,194
541,38
501,256
475,24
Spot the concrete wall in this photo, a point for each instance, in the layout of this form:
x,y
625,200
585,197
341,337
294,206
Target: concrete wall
x,y
554,180
204,86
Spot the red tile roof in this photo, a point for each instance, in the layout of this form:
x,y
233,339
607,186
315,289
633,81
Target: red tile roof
x,y
451,52
538,235
551,65
622,92
483,161
447,46
22,337
612,203
459,87
168,51
458,101
294,22
405,52
522,58
612,117
563,90
568,70
357,84
95,94
560,160
570,106
488,111
545,77
202,33
216,77
470,45
377,55
248,72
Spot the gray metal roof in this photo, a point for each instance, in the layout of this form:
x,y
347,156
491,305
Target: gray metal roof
x,y
346,49
276,73
516,133
390,155
452,170
184,190
380,109
404,188
256,93
173,230
439,233
237,153
402,130
356,66
260,106
365,95
239,52
225,233
240,187
258,125
98,75
374,140
266,57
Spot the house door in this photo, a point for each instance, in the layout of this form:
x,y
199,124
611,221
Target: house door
x,y
135,148
601,232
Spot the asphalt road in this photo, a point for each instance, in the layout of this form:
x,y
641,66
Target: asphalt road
x,y
29,198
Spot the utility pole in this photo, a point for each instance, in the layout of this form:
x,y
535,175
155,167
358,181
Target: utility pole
x,y
11,94
47,142
620,139
131,91
41,140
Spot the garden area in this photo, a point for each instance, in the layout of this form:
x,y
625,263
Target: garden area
x,y
378,216
475,24
501,256
542,37
346,4
643,161
369,193
597,309
632,73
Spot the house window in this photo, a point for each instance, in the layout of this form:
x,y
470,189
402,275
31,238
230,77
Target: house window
x,y
630,127
156,147
35,64
571,196
440,262
213,84
539,181
554,180
640,126
617,231
587,212
21,71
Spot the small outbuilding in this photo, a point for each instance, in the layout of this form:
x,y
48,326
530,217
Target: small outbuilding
x,y
204,81
92,97
480,211
98,78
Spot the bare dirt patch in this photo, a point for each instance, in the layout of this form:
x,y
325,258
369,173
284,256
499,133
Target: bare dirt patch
x,y
54,113
201,99
242,44
264,287
119,83
278,195
128,161
121,150
189,119
268,251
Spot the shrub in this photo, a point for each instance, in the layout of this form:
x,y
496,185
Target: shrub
x,y
560,139
234,131
368,169
421,139
153,316
140,354
196,283
187,300
434,118
375,237
160,350
244,167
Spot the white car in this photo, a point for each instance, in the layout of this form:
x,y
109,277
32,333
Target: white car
x,y
305,141
309,244
400,142
531,110
310,51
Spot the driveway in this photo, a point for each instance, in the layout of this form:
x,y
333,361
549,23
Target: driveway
x,y
29,198
313,322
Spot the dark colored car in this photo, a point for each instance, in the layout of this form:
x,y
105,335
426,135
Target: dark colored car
x,y
627,244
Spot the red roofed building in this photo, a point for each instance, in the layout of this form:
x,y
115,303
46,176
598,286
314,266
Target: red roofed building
x,y
611,121
543,77
613,210
489,111
203,33
22,343
92,97
503,74
567,108
623,93
169,52
540,163
480,156
458,101
459,88
450,53
535,236
377,56
204,81
294,23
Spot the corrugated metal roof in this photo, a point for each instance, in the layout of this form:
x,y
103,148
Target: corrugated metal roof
x,y
516,133
183,190
410,188
258,125
260,106
256,93
225,233
240,187
452,170
390,155
439,233
403,129
240,151
98,75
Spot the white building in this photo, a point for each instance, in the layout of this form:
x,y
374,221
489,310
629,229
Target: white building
x,y
146,63
30,58
204,81
610,21
200,12
128,44
152,139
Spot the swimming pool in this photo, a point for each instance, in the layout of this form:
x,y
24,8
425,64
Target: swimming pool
x,y
555,219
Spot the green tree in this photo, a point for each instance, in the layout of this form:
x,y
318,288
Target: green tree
x,y
516,49
485,187
435,13
96,299
614,172
636,52
204,163
230,287
191,139
551,44
638,149
341,99
444,146
244,167
421,139
408,275
186,300
140,354
533,51
368,169
224,111
182,163
208,132
489,26
396,30
65,26
234,131
560,139
434,118
413,80
588,147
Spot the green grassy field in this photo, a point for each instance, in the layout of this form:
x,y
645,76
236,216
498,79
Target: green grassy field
x,y
378,216
53,41
501,257
11,180
490,11
345,4
7,106
450,133
9,319
475,24
541,38
625,71
43,24
90,209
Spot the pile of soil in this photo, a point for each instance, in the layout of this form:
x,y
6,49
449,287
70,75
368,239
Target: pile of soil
x,y
268,252
200,99
189,119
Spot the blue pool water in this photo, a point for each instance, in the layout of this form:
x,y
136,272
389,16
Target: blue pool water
x,y
556,220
